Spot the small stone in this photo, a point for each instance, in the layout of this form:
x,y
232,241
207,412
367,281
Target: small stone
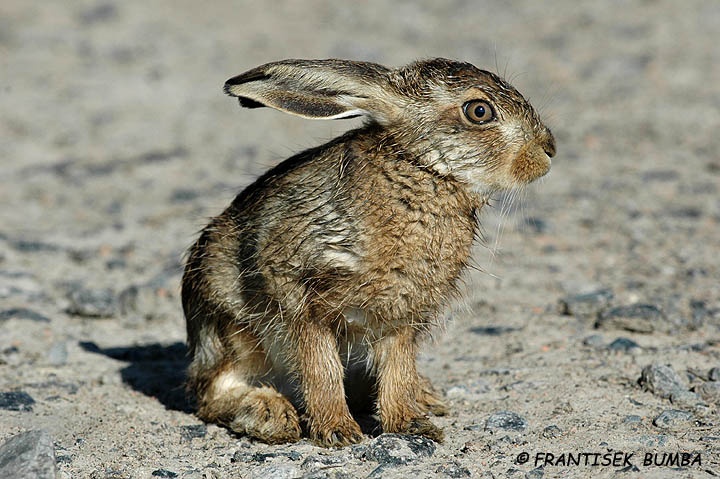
x,y
507,421
192,431
714,374
632,419
661,380
536,473
23,313
587,305
164,473
317,461
624,345
453,469
58,354
709,391
28,455
397,449
16,401
92,303
552,432
638,318
672,419
594,340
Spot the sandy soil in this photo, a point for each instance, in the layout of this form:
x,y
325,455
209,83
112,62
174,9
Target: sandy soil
x,y
117,145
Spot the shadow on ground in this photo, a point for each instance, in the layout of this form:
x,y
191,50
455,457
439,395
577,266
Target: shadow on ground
x,y
155,370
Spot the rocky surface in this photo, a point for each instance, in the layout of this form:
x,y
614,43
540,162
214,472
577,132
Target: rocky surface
x,y
118,144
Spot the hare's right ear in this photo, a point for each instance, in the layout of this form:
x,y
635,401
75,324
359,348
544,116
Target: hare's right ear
x,y
316,89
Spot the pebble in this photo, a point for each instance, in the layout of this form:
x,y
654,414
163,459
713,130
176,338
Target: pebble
x,y
594,340
192,431
28,455
92,303
638,318
624,345
709,391
453,469
23,313
672,419
587,305
714,374
318,461
506,421
632,419
661,380
16,401
396,449
164,473
552,432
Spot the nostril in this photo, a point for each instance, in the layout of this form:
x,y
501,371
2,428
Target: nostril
x,y
549,146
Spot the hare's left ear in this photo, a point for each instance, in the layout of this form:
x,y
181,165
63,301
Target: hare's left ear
x,y
316,89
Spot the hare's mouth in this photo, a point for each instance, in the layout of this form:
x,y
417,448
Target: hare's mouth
x,y
532,162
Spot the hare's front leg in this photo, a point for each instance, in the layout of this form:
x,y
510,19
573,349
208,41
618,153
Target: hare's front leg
x,y
321,376
399,386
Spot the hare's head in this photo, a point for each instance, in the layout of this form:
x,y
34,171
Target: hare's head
x,y
445,115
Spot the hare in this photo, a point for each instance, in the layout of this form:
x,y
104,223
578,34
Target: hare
x,y
330,269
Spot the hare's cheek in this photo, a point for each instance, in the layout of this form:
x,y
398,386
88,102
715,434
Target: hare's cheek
x,y
530,164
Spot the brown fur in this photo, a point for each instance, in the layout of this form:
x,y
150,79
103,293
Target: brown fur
x,y
342,257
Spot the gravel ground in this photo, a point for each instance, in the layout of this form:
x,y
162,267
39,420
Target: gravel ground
x,y
118,144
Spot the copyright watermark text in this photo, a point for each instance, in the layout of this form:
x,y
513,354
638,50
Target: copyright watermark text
x,y
611,459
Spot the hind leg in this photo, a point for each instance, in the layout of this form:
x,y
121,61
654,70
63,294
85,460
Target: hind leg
x,y
229,393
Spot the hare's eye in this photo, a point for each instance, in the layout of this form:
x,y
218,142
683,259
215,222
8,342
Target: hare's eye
x,y
478,111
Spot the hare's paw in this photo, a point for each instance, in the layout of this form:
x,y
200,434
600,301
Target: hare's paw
x,y
268,416
417,426
428,399
336,433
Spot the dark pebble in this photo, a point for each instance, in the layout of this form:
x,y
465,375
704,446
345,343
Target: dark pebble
x,y
453,469
23,313
537,225
30,246
16,401
639,318
672,418
396,449
260,457
507,421
661,380
587,305
623,345
101,12
709,391
714,374
699,314
318,461
92,303
29,455
163,473
181,195
193,431
552,432
492,330
536,473
632,419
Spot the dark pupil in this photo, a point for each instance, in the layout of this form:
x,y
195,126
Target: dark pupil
x,y
479,111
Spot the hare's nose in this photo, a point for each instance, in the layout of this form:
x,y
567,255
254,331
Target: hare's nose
x,y
548,144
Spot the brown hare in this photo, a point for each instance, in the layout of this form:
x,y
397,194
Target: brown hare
x,y
333,266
